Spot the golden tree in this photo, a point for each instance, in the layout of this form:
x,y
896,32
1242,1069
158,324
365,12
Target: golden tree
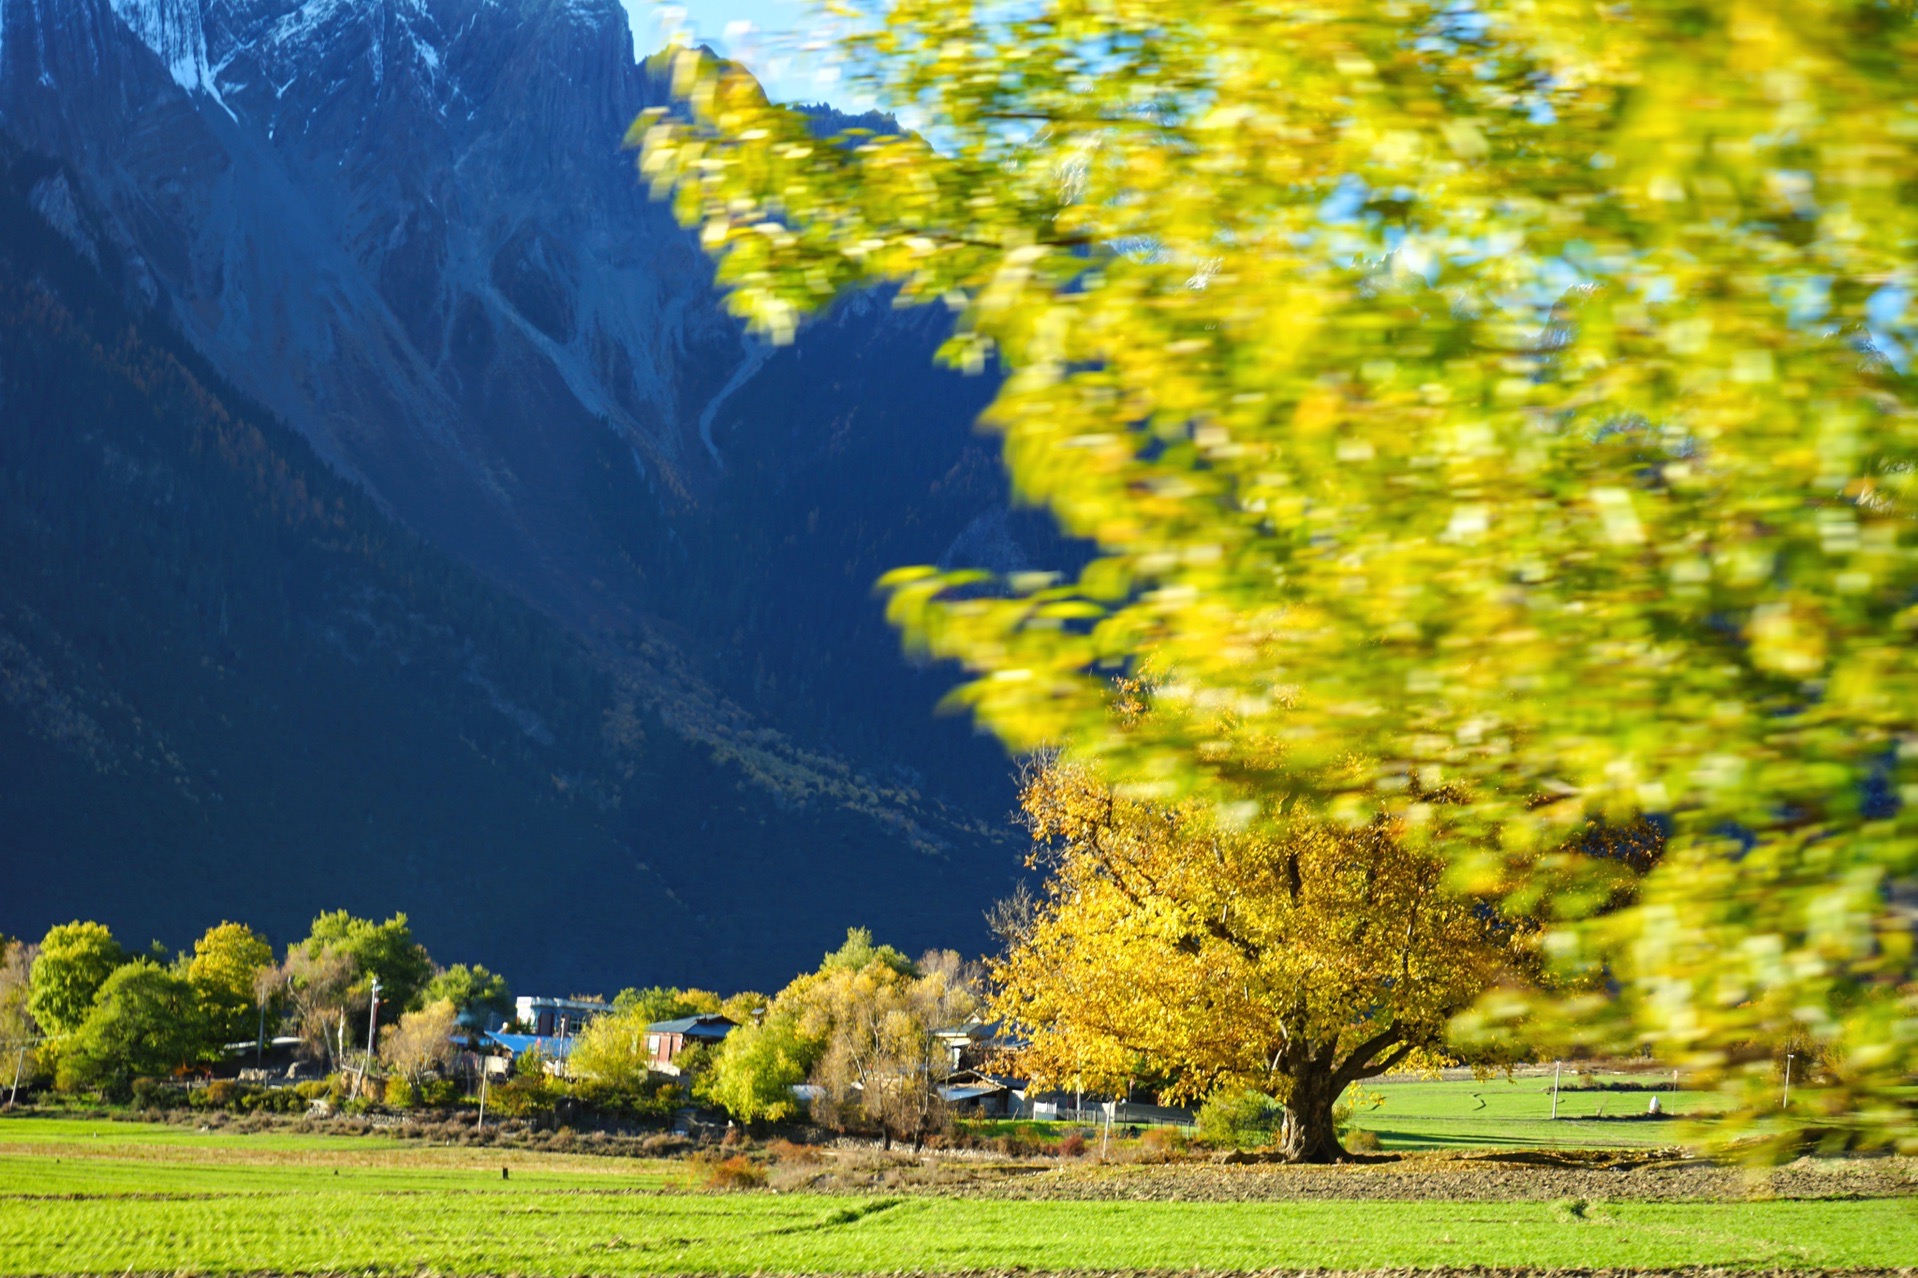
x,y
421,1043
225,970
1503,394
1296,964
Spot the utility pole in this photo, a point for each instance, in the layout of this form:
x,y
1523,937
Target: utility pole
x,y
372,1028
19,1065
1785,1101
1555,1068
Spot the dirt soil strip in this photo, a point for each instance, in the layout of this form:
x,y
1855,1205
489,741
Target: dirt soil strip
x,y
1445,1271
1480,1178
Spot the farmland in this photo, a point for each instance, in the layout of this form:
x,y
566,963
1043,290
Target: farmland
x,y
81,1195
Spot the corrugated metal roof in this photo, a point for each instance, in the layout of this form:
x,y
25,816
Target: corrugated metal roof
x,y
695,1027
555,1048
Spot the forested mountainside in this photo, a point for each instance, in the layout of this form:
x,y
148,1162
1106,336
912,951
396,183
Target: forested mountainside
x,y
231,686
408,230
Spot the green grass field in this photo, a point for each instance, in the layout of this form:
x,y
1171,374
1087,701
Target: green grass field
x,y
87,1196
1497,1113
1516,1113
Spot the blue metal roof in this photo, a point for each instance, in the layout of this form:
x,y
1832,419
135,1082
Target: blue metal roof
x,y
553,1048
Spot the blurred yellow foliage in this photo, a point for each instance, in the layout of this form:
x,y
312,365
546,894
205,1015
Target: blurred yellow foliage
x,y
1508,396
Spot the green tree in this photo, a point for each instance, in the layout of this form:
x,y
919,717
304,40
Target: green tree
x,y
659,1003
480,997
146,1021
18,1033
1484,397
1238,1118
383,950
755,1069
858,953
611,1049
74,961
225,971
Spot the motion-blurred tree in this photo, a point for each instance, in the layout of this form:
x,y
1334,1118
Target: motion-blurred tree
x,y
659,1003
1507,396
755,1069
319,987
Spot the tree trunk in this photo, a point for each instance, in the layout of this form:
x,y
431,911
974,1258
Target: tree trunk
x,y
1308,1135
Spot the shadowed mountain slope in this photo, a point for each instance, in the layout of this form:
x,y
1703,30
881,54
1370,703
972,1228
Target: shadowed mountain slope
x,y
406,229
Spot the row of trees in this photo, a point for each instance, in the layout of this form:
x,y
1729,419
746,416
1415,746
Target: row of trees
x,y
80,1009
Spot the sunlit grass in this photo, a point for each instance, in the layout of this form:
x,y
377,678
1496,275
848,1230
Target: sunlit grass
x,y
1516,1113
1494,1113
99,1197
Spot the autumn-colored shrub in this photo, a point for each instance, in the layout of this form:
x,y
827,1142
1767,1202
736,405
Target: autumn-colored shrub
x,y
1361,1141
1072,1144
737,1172
787,1151
1159,1144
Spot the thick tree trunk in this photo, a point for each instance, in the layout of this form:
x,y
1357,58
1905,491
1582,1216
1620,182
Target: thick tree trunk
x,y
1308,1135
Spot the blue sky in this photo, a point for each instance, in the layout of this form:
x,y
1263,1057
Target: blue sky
x,y
768,36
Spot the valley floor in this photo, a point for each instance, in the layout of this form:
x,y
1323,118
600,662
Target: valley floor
x,y
91,1196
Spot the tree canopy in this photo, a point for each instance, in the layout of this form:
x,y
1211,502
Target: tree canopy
x,y
1208,958
74,961
384,950
1507,396
478,996
145,1022
225,972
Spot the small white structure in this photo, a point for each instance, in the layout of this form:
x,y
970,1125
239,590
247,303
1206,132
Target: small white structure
x,y
555,1017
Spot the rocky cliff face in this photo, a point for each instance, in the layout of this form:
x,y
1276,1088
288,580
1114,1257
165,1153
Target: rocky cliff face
x,y
408,228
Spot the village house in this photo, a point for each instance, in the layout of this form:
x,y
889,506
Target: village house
x,y
666,1039
977,1044
555,1017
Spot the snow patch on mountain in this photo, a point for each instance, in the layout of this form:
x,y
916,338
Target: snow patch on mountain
x,y
176,32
